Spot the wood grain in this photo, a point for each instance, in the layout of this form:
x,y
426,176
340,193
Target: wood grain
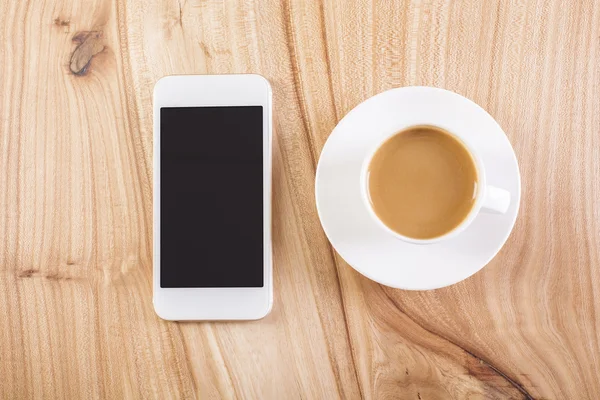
x,y
76,80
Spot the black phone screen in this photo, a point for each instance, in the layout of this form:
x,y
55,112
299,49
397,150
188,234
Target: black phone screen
x,y
211,197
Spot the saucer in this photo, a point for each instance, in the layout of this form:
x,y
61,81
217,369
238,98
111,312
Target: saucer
x,y
360,241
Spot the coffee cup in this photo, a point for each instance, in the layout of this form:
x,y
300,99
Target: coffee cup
x,y
439,172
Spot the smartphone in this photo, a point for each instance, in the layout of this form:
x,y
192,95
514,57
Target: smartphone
x,y
212,197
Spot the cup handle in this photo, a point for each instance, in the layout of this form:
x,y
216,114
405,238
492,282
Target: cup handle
x,y
496,200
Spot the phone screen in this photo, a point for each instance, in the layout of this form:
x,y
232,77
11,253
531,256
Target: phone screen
x,y
211,197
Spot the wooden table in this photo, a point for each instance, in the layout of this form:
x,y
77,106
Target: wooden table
x,y
76,315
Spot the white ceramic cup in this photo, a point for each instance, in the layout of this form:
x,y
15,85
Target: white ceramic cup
x,y
487,198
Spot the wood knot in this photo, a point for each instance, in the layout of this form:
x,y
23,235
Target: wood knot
x,y
57,277
61,22
90,43
27,273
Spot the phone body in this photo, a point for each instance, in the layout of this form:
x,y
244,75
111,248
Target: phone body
x,y
212,197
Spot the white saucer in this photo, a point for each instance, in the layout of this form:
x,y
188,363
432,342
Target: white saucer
x,y
367,247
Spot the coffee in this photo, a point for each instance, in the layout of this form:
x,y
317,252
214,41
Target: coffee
x,y
422,182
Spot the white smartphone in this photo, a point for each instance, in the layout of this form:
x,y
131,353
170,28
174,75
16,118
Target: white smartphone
x,y
212,197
